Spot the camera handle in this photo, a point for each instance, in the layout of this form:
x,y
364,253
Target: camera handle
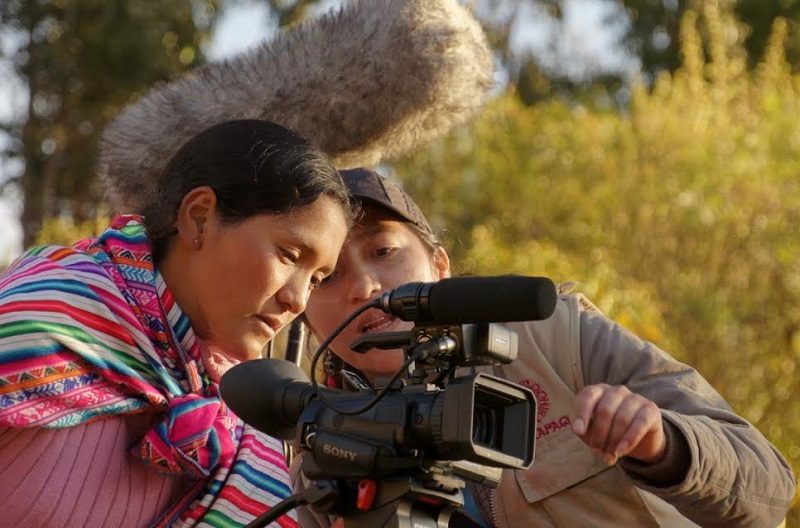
x,y
405,502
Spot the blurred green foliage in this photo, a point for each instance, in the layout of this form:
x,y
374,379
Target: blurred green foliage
x,y
678,217
653,32
66,231
80,61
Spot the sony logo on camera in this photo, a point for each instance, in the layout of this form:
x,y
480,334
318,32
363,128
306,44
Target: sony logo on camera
x,y
339,452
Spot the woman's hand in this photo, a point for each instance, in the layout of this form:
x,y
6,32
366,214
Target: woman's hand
x,y
616,422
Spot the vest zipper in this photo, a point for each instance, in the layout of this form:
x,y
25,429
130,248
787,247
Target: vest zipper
x,y
493,508
487,504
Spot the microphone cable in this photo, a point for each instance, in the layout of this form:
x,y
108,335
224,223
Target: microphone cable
x,y
320,394
319,491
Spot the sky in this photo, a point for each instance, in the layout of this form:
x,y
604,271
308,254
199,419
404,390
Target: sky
x,y
11,100
586,42
240,27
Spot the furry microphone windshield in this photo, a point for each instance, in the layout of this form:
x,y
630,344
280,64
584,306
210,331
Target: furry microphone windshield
x,y
370,81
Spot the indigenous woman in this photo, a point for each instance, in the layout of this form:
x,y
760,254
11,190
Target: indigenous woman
x,y
111,350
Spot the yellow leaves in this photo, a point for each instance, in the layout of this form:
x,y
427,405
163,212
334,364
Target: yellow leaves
x,y
65,231
794,343
774,69
169,40
629,303
692,52
186,56
677,217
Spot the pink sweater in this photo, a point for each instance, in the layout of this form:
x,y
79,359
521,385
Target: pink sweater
x,y
82,476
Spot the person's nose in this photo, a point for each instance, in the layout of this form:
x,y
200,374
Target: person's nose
x,y
293,296
364,286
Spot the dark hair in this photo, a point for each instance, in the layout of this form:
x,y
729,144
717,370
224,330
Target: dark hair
x,y
253,166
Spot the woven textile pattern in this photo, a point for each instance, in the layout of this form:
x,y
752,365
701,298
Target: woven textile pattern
x,y
92,331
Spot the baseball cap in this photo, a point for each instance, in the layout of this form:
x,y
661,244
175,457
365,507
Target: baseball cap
x,y
367,185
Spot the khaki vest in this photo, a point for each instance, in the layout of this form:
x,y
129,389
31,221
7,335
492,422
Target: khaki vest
x,y
567,485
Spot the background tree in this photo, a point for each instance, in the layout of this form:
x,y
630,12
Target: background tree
x,y
655,25
80,61
678,216
288,12
647,32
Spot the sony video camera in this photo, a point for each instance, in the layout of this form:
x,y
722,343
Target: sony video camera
x,y
400,456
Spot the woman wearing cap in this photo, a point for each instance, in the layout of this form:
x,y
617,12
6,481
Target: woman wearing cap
x,y
626,435
111,350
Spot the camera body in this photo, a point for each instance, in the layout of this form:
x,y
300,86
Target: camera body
x,y
433,415
416,440
426,435
478,418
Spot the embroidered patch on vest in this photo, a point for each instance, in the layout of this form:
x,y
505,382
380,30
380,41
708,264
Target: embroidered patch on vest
x,y
543,427
542,398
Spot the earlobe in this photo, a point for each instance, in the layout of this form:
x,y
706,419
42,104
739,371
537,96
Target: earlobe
x,y
197,208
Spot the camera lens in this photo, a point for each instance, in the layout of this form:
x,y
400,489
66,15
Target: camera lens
x,y
485,426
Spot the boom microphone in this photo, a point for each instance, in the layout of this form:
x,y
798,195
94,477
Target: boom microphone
x,y
367,82
267,394
473,300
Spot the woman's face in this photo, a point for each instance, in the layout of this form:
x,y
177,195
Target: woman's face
x,y
251,278
380,254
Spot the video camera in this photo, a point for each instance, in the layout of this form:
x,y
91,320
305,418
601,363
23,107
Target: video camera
x,y
399,457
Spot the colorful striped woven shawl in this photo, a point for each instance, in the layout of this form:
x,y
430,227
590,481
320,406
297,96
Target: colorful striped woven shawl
x,y
92,331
